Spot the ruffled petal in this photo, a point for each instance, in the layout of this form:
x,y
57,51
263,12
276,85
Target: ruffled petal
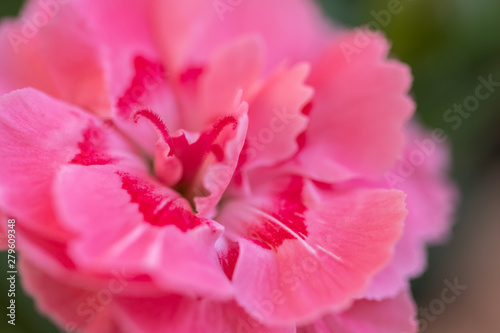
x,y
391,315
183,43
275,116
147,89
17,51
180,314
73,307
219,173
39,135
101,42
358,113
230,76
315,249
422,174
37,39
123,29
127,221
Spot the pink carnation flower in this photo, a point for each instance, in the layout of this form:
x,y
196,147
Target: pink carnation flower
x,y
208,166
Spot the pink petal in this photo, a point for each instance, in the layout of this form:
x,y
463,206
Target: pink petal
x,y
127,221
101,41
392,315
66,304
233,68
431,199
17,51
148,89
52,257
38,136
108,309
315,249
431,195
181,314
276,118
409,258
168,168
219,174
123,29
51,70
358,112
82,59
183,43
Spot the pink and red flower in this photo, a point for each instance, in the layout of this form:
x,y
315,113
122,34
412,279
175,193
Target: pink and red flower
x,y
174,172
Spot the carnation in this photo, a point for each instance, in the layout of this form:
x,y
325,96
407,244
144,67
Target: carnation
x,y
210,166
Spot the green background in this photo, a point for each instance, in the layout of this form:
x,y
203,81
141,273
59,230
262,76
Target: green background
x,y
448,44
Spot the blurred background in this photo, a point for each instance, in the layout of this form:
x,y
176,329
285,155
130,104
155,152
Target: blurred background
x,y
448,44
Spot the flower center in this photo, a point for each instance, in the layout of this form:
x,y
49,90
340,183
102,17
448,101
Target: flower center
x,y
180,160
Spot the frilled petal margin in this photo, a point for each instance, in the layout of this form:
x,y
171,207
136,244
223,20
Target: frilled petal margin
x,y
314,249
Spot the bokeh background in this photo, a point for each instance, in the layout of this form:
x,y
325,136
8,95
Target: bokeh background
x,y
448,44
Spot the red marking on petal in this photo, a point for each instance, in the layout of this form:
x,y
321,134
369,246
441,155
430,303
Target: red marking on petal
x,y
92,148
307,109
158,209
144,70
228,258
285,220
218,152
191,75
301,139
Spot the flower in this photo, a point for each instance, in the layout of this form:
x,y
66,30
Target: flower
x,y
189,167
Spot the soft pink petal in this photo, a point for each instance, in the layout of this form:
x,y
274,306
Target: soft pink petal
x,y
123,29
315,249
74,307
180,314
17,51
148,89
51,70
168,169
82,59
52,257
218,174
39,135
183,43
233,68
126,221
392,315
71,307
358,112
431,199
431,195
276,118
409,258
101,41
